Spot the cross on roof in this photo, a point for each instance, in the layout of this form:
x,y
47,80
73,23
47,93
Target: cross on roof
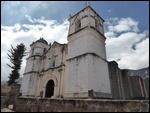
x,y
88,3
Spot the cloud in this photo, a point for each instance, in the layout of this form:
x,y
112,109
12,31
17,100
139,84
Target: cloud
x,y
29,18
109,11
51,30
18,10
126,44
122,25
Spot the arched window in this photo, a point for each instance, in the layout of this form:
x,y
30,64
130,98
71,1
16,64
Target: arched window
x,y
44,50
96,23
52,62
77,25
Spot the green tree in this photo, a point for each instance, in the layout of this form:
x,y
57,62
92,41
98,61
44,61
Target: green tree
x,y
15,56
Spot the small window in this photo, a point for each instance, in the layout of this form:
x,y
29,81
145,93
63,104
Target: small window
x,y
77,25
44,50
80,25
52,62
96,23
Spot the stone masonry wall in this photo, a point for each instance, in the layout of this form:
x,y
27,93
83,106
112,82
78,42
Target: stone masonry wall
x,y
11,97
2,101
146,81
136,87
80,105
126,85
114,80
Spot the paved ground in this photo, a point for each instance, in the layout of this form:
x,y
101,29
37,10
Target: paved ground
x,y
6,110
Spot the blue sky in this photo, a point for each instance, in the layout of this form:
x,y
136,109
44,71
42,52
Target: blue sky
x,y
126,27
14,12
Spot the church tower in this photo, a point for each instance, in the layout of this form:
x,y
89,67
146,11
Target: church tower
x,y
30,76
87,67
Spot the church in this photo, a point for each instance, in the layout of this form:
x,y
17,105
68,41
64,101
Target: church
x,y
78,69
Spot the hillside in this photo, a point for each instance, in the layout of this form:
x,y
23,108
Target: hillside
x,y
141,72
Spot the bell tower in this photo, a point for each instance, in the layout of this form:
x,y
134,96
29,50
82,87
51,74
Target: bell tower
x,y
87,74
31,76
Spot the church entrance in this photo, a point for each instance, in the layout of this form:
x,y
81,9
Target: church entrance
x,y
49,88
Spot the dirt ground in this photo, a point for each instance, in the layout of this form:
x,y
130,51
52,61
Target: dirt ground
x,y
6,110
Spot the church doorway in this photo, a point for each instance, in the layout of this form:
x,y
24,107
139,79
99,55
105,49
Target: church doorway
x,y
49,88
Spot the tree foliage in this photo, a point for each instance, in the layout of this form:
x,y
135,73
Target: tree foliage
x,y
15,56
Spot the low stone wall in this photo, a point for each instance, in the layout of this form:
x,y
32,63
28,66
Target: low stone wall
x,y
80,105
2,101
10,98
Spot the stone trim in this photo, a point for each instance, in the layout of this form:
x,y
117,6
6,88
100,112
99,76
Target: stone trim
x,y
33,56
85,28
85,54
101,95
52,68
77,31
30,72
77,95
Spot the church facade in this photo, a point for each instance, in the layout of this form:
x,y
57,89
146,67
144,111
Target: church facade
x,y
78,69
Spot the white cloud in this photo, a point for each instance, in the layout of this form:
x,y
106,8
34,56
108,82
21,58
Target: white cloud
x,y
16,27
109,11
122,25
51,30
29,18
125,44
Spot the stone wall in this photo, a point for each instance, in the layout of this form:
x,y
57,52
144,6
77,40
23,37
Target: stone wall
x,y
136,88
80,105
5,89
120,82
2,101
146,81
115,80
126,85
10,97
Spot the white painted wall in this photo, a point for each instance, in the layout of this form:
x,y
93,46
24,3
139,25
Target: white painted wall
x,y
37,83
29,65
87,17
77,79
98,76
38,48
86,41
38,51
87,71
25,85
32,84
29,82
